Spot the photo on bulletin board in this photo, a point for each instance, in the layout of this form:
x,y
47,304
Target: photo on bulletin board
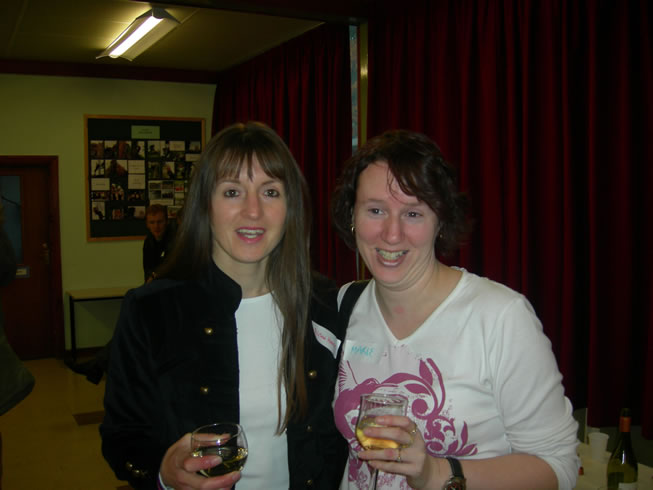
x,y
132,162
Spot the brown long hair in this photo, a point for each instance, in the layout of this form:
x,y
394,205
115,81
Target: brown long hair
x,y
288,274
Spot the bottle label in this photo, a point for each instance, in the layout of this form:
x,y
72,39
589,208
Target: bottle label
x,y
624,424
628,486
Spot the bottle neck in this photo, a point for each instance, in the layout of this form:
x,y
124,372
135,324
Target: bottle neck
x,y
624,424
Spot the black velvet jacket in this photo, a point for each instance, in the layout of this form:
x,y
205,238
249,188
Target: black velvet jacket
x,y
174,367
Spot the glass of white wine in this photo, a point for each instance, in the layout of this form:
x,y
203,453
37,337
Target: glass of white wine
x,y
224,439
372,405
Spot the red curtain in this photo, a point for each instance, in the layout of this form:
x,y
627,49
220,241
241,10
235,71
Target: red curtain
x,y
302,89
546,107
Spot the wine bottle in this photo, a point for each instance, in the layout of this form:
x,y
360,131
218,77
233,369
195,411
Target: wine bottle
x,y
622,465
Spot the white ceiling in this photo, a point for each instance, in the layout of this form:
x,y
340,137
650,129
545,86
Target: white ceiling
x,y
208,39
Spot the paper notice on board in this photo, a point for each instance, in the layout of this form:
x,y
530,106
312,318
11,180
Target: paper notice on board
x,y
136,181
177,146
146,132
136,166
100,184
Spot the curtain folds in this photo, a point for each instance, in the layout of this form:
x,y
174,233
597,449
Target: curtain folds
x,y
546,109
302,89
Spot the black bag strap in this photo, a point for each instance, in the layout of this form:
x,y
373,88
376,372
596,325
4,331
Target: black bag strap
x,y
347,306
348,302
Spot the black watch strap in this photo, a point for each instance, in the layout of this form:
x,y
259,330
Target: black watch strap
x,y
457,480
456,467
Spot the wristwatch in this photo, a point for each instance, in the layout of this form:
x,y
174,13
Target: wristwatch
x,y
457,480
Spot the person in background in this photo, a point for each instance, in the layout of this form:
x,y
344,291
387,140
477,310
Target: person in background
x,y
486,403
158,241
234,328
157,245
16,382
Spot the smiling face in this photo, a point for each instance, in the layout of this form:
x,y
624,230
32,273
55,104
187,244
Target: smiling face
x,y
395,233
247,220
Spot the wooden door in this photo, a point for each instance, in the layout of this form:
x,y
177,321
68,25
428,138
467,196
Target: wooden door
x,y
32,303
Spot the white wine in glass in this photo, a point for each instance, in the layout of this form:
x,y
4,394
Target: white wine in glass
x,y
225,439
372,405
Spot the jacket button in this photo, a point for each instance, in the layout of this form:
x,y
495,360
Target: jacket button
x,y
309,483
312,374
204,390
309,428
136,473
208,331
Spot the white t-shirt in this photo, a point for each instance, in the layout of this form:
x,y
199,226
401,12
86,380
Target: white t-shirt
x,y
479,374
259,344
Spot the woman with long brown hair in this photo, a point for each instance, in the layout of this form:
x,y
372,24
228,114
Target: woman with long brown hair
x,y
234,329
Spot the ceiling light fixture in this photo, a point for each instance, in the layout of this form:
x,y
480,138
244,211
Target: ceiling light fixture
x,y
146,30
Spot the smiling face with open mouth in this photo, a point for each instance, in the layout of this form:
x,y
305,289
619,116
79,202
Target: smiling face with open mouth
x,y
247,220
395,232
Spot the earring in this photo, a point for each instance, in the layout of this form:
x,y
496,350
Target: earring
x,y
352,228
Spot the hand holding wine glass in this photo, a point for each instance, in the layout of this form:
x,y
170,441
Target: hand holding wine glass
x,y
180,469
373,405
226,440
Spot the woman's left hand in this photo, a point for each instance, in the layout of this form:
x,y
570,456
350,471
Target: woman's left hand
x,y
410,459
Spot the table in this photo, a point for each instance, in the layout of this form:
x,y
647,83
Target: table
x,y
594,472
89,294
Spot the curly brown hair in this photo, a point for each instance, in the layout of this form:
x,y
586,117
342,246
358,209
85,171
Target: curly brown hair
x,y
420,169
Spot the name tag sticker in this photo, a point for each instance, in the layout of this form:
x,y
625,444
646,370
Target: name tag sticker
x,y
326,338
361,351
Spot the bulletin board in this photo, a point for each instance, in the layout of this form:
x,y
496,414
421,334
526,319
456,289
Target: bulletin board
x,y
132,162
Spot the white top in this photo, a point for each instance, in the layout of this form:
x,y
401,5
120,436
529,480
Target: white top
x,y
258,324
479,374
259,343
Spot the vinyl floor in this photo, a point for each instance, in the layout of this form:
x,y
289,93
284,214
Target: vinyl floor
x,y
50,440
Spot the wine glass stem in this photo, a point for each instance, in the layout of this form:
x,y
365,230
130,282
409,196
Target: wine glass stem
x,y
375,473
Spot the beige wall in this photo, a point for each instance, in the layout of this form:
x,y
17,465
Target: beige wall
x,y
42,115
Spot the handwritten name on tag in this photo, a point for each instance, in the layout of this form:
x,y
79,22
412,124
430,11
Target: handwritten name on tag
x,y
361,351
326,338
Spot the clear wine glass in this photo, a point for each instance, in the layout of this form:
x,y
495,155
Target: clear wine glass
x,y
224,439
373,405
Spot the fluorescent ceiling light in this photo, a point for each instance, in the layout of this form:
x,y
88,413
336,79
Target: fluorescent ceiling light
x,y
146,30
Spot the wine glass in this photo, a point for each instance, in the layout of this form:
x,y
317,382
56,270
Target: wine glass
x,y
373,405
224,439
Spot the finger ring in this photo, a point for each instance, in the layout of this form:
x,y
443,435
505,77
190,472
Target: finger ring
x,y
398,459
414,431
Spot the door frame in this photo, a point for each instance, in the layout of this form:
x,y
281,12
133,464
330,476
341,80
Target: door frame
x,y
55,299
